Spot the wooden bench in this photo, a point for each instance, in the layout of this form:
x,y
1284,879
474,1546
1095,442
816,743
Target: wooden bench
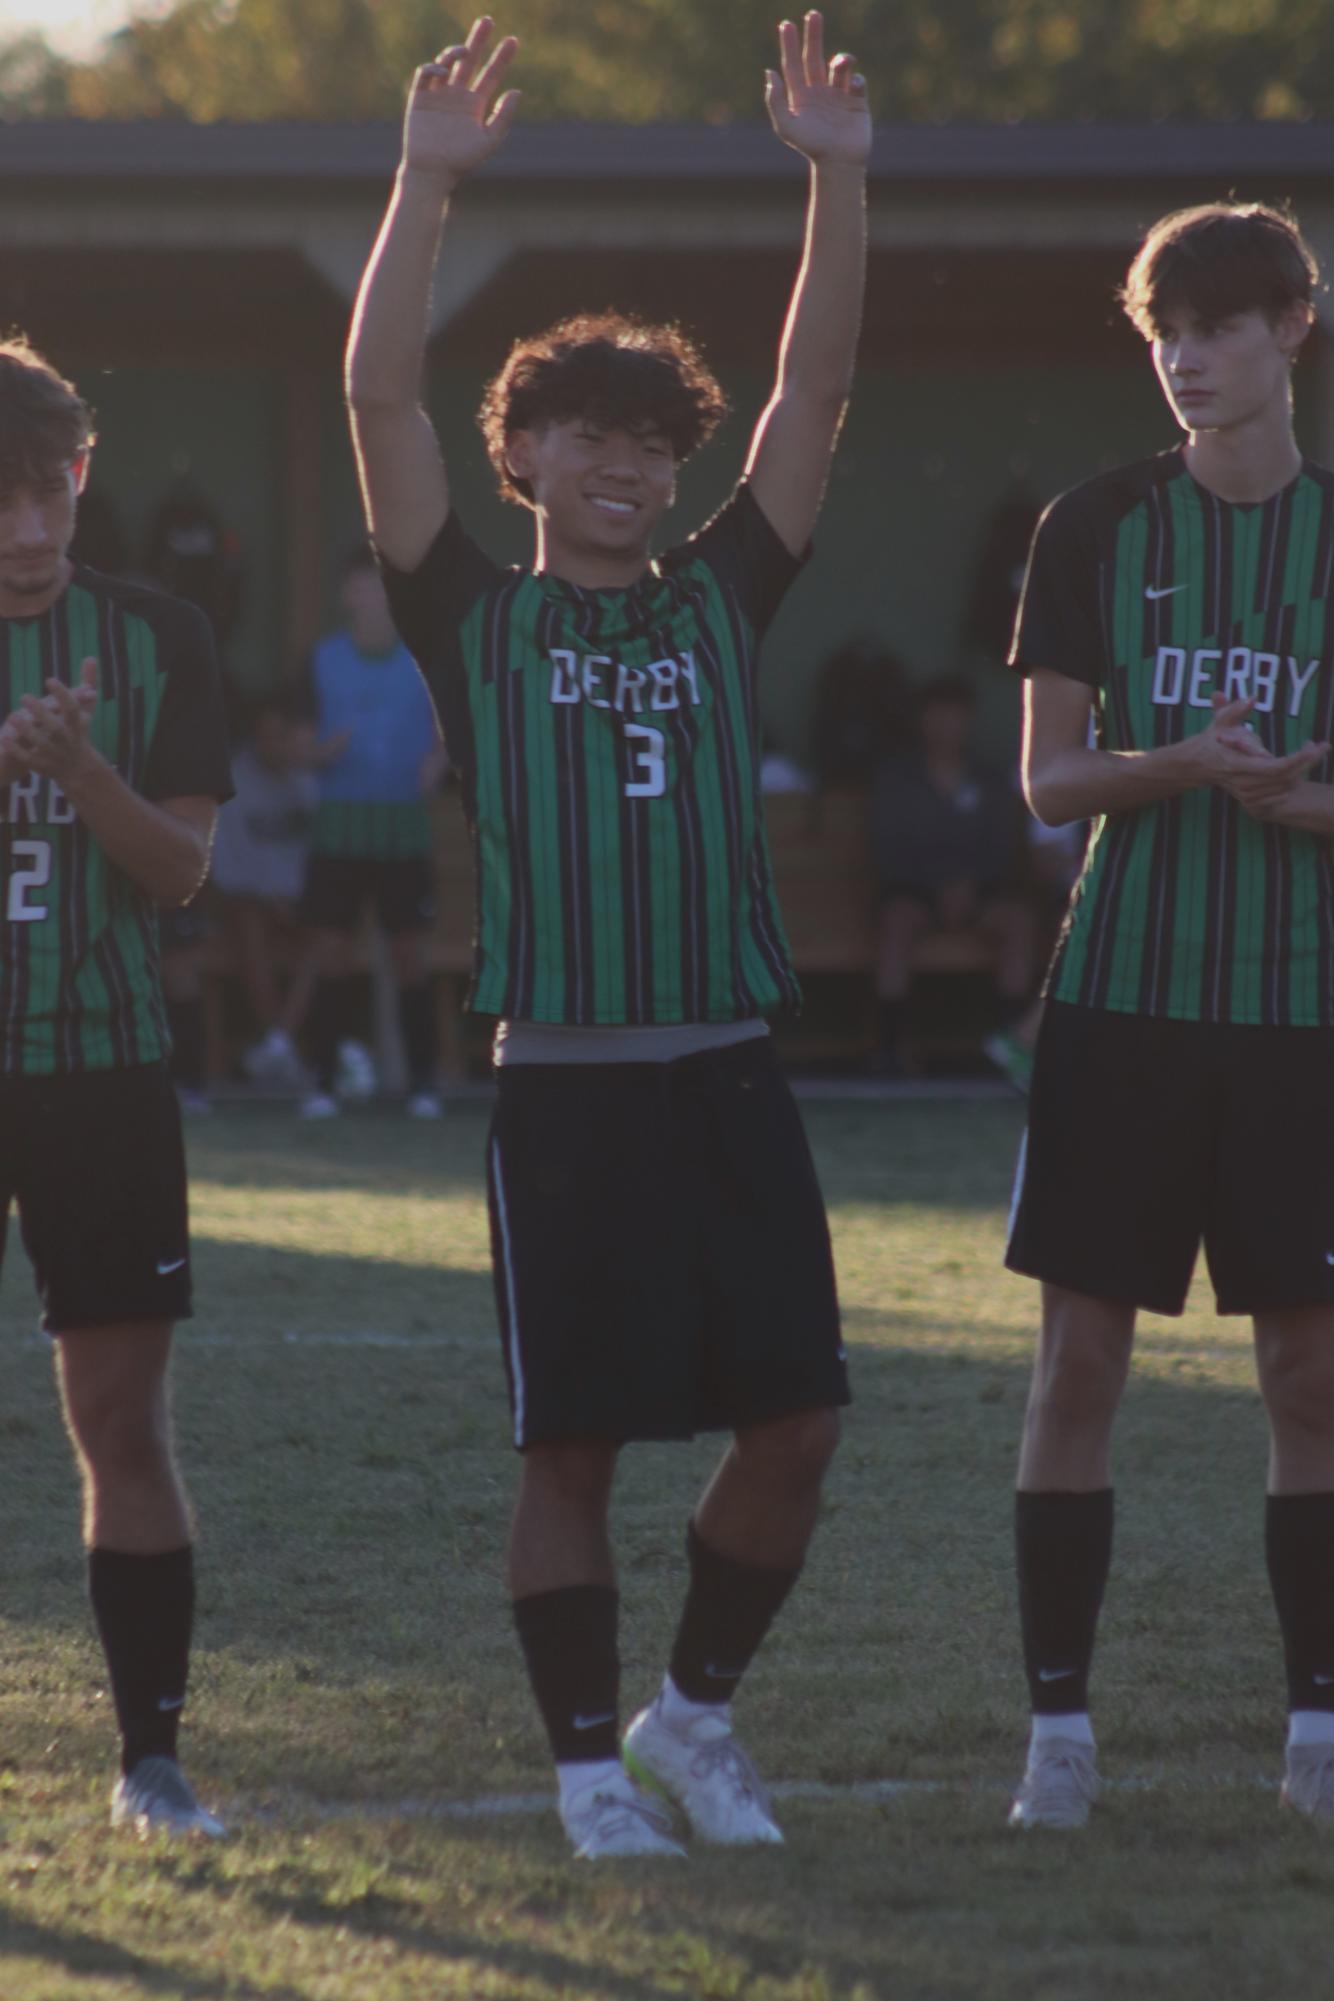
x,y
821,848
820,845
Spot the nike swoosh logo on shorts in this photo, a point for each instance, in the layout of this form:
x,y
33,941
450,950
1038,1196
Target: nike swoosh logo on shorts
x,y
1323,1680
171,1702
172,1264
1167,591
1055,1674
592,1722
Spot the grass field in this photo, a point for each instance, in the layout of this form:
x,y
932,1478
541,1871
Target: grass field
x,y
356,1684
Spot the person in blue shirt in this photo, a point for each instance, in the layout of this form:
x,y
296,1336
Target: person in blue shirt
x,y
379,755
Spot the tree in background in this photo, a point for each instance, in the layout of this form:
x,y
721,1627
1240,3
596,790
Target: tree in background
x,y
694,59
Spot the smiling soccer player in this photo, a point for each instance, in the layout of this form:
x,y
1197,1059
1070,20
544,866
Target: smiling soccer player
x,y
1184,1079
661,1253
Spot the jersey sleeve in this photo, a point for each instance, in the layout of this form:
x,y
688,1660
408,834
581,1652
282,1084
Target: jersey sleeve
x,y
188,756
1058,625
743,548
428,602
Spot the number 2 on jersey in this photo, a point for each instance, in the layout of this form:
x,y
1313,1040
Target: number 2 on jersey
x,y
648,761
37,873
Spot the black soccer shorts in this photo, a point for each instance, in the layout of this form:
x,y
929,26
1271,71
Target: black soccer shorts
x,y
1146,1138
399,888
660,1247
96,1166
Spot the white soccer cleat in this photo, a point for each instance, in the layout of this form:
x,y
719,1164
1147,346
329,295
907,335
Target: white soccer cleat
x,y
1309,1784
319,1105
157,1798
701,1766
615,1817
1059,1786
425,1105
273,1060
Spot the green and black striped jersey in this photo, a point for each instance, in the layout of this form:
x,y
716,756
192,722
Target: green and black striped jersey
x,y
1157,593
79,980
607,741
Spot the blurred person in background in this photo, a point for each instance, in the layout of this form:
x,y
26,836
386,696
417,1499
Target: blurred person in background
x,y
947,846
259,878
378,752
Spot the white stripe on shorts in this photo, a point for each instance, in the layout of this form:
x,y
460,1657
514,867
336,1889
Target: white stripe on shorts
x,y
511,1292
1016,1195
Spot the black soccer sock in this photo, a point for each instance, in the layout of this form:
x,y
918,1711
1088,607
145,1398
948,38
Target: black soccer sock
x,y
185,1020
331,1020
1063,1552
416,1018
569,1644
1299,1550
729,1608
144,1608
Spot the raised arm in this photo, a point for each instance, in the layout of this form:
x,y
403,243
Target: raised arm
x,y
451,126
819,109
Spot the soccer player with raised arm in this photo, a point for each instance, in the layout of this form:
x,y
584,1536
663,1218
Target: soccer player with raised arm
x,y
661,1254
112,764
1184,1080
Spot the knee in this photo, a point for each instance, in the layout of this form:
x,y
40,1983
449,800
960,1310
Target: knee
x,y
123,1442
1079,1377
1298,1386
792,1451
572,1474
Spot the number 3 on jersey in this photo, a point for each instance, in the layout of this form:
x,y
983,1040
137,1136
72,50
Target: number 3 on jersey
x,y
32,870
648,761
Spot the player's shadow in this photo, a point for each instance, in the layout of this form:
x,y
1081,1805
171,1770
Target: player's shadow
x,y
83,1957
258,1148
386,1918
870,1154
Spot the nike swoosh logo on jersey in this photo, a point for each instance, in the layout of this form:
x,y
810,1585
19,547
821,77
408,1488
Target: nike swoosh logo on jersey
x,y
1168,591
172,1264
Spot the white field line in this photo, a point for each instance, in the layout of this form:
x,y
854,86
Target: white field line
x,y
516,1806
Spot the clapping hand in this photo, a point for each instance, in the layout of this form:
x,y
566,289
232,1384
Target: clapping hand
x,y
49,733
1239,763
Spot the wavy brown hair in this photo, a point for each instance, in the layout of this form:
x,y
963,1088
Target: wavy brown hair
x,y
618,372
44,422
1217,260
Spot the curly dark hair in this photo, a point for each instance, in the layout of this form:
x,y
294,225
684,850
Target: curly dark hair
x,y
44,422
1219,259
618,371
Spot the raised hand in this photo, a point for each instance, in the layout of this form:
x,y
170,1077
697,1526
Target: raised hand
x,y
819,108
453,120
